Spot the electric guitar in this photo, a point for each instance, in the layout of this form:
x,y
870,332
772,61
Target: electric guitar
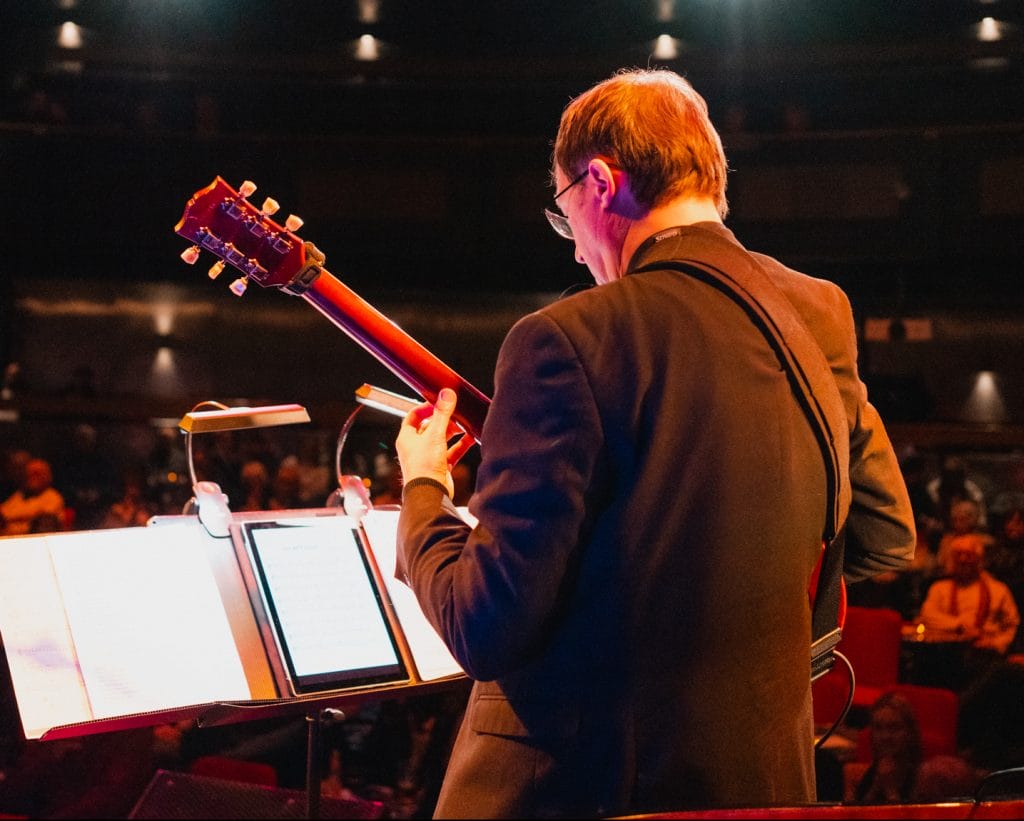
x,y
221,220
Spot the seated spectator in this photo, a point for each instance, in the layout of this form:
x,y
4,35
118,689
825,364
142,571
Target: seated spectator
x,y
255,482
952,485
132,509
286,488
86,477
315,479
1004,558
12,470
972,605
964,517
898,773
35,505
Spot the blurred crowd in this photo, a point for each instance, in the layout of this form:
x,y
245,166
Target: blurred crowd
x,y
964,586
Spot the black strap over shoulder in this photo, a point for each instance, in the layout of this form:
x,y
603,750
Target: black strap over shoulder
x,y
814,386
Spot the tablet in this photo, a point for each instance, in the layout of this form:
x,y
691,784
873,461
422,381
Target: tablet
x,y
323,606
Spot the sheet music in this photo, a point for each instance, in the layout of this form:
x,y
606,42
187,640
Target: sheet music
x,y
432,658
44,669
147,620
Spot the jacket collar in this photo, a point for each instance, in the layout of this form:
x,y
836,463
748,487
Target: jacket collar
x,y
648,249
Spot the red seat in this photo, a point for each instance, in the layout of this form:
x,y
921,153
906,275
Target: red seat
x,y
872,638
234,769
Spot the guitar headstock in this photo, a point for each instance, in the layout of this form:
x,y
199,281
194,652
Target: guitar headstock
x,y
221,220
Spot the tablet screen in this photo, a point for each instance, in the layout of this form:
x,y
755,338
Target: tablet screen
x,y
324,607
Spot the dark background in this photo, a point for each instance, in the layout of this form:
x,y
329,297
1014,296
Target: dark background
x,y
877,144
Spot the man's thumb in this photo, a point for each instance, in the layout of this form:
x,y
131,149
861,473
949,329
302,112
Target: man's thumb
x,y
445,400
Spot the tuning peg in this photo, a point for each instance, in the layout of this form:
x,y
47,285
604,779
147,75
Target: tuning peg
x,y
239,285
247,188
216,268
270,207
293,223
190,255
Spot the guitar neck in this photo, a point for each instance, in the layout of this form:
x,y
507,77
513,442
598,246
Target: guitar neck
x,y
396,350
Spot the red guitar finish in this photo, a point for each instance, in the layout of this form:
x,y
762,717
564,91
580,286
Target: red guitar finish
x,y
221,220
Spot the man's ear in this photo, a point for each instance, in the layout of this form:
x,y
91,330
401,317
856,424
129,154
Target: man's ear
x,y
612,188
606,183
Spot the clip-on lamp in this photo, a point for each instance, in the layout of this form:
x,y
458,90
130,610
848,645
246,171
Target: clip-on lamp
x,y
208,500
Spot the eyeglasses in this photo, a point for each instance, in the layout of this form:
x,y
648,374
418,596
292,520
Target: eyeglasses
x,y
560,222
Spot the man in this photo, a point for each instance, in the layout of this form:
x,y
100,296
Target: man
x,y
633,603
972,604
35,507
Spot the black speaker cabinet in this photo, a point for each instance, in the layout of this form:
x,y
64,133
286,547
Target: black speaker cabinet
x,y
174,795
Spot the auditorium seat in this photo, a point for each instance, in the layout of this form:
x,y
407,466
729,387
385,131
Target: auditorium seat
x,y
872,638
234,769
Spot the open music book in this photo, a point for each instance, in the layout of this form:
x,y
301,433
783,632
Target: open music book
x,y
116,628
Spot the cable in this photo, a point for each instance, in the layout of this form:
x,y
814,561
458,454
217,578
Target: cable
x,y
846,707
999,785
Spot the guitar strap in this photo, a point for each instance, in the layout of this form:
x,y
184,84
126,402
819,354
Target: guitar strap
x,y
745,282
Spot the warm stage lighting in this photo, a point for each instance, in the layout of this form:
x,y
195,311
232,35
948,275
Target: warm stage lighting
x,y
367,48
985,404
70,36
666,47
989,30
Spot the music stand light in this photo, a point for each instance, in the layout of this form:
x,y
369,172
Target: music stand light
x,y
207,498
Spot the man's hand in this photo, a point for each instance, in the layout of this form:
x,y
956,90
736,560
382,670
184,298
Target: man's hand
x,y
422,442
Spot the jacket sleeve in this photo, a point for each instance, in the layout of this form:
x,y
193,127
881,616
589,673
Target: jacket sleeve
x,y
880,534
491,591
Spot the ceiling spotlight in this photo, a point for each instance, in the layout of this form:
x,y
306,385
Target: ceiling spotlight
x,y
666,47
367,48
985,403
989,30
70,35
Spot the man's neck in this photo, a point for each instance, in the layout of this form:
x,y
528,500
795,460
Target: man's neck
x,y
681,211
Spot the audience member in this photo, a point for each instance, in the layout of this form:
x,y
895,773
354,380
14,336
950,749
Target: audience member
x,y
386,487
333,784
970,619
36,499
285,489
13,470
255,482
964,518
952,485
1004,558
86,477
898,771
972,604
167,482
132,509
930,525
315,479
